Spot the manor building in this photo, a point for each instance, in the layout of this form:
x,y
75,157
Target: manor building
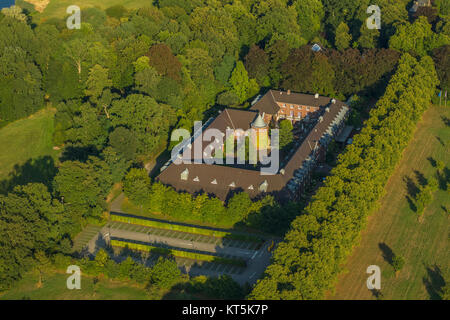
x,y
317,120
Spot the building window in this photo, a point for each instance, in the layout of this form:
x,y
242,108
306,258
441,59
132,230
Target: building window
x,y
263,186
292,113
185,174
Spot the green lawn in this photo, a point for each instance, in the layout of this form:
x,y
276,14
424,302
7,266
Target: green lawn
x,y
57,8
395,226
27,146
54,288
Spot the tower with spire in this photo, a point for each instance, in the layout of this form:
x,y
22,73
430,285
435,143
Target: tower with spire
x,y
262,132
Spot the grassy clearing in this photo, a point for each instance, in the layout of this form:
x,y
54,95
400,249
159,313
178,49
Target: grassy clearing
x,y
395,226
54,288
26,139
57,8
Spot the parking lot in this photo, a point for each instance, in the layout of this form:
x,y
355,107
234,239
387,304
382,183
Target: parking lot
x,y
256,254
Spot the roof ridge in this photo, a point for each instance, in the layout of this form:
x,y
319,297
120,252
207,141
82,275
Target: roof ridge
x,y
271,93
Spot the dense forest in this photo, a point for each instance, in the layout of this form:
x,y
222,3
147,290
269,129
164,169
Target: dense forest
x,y
126,78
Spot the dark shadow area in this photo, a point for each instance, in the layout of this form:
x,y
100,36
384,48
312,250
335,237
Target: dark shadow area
x,y
411,203
78,153
440,141
411,187
38,170
434,282
443,178
446,120
159,162
432,161
377,294
420,178
387,252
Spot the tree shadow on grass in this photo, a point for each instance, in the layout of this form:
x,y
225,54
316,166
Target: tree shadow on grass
x,y
440,141
387,252
411,187
446,120
377,294
420,178
411,203
434,282
443,177
38,170
432,161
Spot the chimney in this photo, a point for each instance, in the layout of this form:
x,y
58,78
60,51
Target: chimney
x,y
333,101
289,91
316,96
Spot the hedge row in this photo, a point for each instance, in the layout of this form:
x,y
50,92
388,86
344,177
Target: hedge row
x,y
306,264
178,253
182,228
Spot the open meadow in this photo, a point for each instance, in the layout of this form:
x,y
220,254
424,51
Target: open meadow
x,y
54,288
27,149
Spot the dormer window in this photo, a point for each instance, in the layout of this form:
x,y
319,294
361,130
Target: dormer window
x,y
250,187
214,181
263,186
185,174
232,185
196,179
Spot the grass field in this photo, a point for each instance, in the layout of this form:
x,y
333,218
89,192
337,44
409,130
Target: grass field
x,y
395,226
57,8
54,288
24,140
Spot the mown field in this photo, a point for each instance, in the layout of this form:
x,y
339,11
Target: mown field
x,y
395,227
26,141
54,288
57,8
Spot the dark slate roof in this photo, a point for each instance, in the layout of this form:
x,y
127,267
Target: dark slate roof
x,y
243,178
234,119
268,103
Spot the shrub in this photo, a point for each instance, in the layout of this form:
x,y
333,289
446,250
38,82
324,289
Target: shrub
x,y
164,273
398,263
